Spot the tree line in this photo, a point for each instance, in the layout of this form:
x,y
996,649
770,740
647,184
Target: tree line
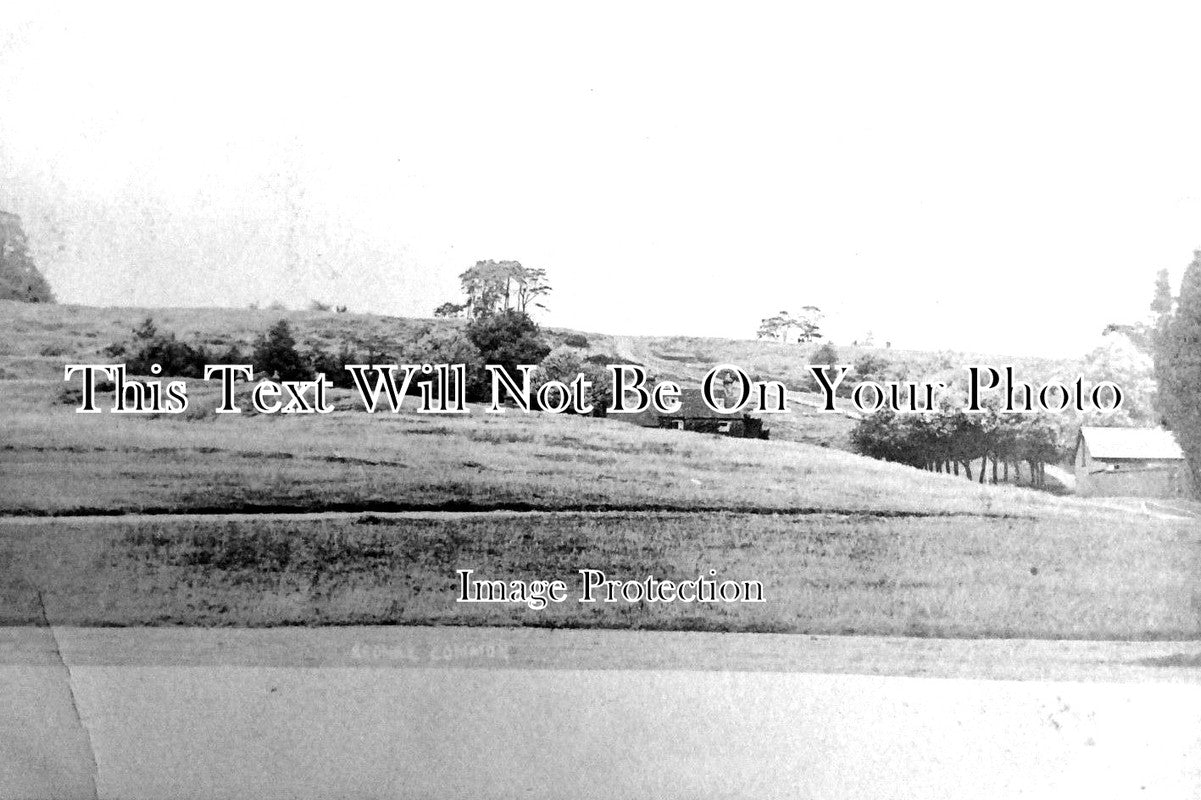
x,y
950,439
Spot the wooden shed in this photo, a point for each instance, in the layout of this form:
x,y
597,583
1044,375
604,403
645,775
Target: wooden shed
x,y
695,415
1138,462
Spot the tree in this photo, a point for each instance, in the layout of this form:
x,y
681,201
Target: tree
x,y
450,309
809,322
508,338
1162,302
1120,360
275,353
948,439
1178,367
495,286
19,277
531,284
778,326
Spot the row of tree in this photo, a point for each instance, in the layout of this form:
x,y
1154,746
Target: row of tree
x,y
948,439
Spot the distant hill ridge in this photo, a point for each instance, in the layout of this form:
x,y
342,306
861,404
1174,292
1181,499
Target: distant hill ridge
x,y
39,339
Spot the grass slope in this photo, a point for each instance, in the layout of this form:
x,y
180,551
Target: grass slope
x,y
948,577
36,340
841,543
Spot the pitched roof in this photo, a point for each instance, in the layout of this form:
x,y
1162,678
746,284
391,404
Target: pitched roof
x,y
1133,443
693,406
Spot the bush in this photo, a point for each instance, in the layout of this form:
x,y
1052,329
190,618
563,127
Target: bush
x,y
826,354
54,350
871,367
333,365
575,340
564,365
436,346
150,348
508,338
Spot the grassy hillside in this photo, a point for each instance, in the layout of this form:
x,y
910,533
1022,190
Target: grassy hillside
x,y
1049,577
841,543
36,340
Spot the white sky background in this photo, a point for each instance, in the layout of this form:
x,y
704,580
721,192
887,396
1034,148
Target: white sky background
x,y
1004,179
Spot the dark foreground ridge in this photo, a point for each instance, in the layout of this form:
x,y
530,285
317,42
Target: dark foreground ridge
x,y
470,507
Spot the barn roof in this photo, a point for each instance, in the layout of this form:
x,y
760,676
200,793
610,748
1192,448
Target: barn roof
x,y
1133,443
692,406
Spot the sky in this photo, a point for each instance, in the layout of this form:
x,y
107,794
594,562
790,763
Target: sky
x,y
1003,179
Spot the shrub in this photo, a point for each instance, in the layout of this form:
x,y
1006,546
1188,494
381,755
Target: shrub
x,y
508,338
333,365
826,354
440,346
575,340
150,348
565,365
871,367
54,350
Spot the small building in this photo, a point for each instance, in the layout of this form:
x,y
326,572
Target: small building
x,y
695,415
1135,462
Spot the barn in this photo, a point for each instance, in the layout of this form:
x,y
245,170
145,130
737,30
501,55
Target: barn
x,y
695,415
1138,462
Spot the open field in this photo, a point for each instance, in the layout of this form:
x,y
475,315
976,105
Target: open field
x,y
36,340
842,544
965,576
54,461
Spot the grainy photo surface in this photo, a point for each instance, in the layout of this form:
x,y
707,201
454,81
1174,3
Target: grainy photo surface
x,y
637,400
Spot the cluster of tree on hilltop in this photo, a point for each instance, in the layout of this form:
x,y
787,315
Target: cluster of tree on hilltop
x,y
806,324
498,287
19,277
